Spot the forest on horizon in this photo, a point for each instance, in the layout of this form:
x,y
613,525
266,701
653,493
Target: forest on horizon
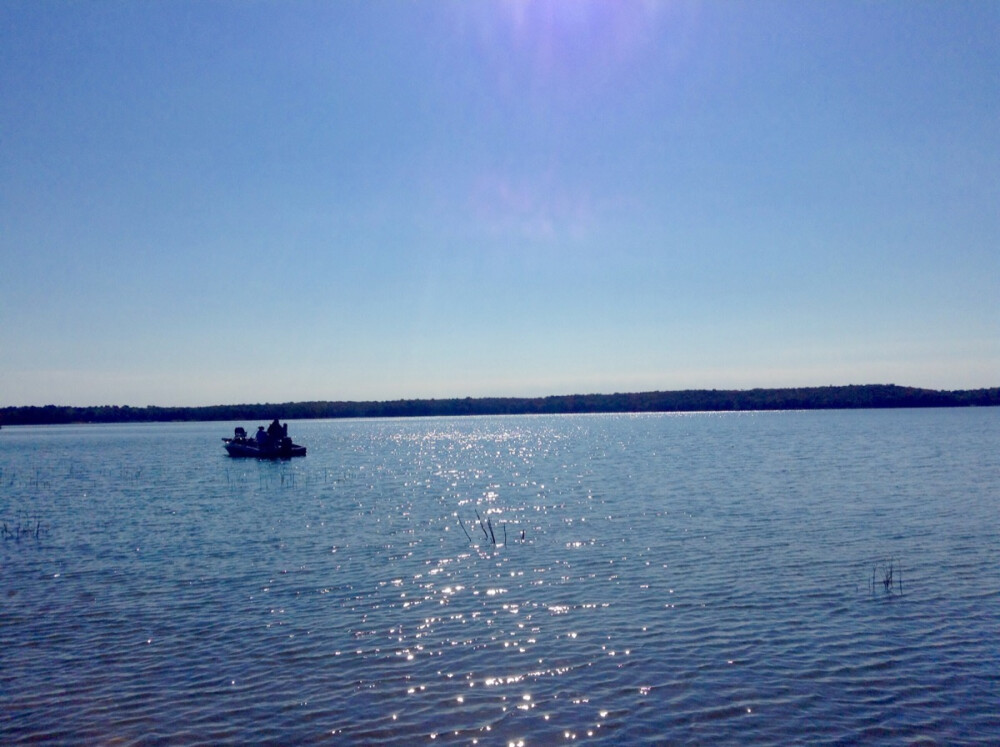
x,y
694,400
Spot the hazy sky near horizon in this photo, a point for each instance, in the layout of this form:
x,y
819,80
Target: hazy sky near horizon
x,y
223,202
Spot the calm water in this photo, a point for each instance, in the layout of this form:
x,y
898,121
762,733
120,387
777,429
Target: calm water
x,y
668,578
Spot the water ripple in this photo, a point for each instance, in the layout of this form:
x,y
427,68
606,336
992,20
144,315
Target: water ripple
x,y
540,580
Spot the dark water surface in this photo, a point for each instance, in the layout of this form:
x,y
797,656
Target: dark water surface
x,y
665,578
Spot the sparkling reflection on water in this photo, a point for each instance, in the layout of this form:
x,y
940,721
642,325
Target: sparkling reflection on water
x,y
678,578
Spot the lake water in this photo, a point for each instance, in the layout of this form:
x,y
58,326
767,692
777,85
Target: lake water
x,y
696,578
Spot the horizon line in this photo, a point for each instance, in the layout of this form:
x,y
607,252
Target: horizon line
x,y
512,398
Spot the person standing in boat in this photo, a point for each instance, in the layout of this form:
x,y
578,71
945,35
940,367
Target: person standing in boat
x,y
261,436
274,432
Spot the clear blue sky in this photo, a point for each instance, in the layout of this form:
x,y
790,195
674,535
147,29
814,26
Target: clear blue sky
x,y
221,202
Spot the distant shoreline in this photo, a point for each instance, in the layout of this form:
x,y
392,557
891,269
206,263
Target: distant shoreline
x,y
868,396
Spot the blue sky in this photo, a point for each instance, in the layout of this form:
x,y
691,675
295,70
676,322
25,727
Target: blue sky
x,y
222,202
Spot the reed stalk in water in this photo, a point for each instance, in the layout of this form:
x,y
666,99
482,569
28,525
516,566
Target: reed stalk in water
x,y
462,524
891,571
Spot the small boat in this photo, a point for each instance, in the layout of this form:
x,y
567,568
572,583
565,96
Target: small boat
x,y
270,444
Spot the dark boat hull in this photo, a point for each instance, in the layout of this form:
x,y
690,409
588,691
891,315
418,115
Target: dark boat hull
x,y
248,448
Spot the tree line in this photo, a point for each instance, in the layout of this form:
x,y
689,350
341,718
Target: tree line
x,y
693,400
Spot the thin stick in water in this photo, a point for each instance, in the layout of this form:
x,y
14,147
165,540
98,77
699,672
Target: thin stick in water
x,y
462,524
